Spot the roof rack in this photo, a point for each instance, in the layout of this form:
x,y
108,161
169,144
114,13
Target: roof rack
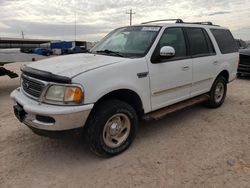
x,y
204,23
179,21
165,20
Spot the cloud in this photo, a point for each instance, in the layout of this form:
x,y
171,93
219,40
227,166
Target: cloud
x,y
56,18
242,33
56,31
51,29
219,13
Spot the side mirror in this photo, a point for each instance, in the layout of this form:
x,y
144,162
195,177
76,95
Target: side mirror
x,y
167,52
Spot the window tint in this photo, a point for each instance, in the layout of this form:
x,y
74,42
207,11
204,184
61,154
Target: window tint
x,y
225,40
173,37
198,43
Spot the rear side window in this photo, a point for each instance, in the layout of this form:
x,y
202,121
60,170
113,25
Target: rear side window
x,y
200,44
225,40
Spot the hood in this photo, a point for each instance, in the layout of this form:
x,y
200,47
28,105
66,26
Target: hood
x,y
72,65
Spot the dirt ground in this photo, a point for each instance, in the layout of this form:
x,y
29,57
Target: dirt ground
x,y
196,147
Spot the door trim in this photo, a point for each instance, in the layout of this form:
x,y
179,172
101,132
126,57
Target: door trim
x,y
171,89
204,80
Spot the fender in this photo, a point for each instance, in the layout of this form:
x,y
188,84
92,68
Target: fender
x,y
99,82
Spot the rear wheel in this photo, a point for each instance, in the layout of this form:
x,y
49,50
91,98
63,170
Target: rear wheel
x,y
217,93
111,128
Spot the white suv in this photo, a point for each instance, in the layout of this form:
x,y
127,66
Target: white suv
x,y
136,72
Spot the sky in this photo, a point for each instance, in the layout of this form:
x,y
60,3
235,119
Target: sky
x,y
55,19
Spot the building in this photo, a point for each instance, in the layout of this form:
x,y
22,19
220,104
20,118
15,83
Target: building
x,y
21,43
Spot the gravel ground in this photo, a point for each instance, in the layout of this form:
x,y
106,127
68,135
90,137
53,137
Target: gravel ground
x,y
196,147
13,55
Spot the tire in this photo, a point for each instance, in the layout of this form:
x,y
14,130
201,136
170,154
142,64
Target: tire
x,y
111,128
216,98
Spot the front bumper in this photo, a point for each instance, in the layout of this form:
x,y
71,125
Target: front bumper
x,y
49,117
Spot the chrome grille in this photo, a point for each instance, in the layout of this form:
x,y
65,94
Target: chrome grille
x,y
32,86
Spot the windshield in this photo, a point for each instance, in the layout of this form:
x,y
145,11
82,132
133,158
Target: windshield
x,y
133,41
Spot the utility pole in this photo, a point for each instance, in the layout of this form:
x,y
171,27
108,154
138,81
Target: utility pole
x,y
22,34
130,15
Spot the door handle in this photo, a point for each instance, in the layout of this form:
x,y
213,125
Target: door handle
x,y
185,68
215,62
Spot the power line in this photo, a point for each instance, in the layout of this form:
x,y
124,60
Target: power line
x,y
130,15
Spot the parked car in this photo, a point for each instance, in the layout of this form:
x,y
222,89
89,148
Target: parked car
x,y
241,44
244,63
27,50
136,72
42,51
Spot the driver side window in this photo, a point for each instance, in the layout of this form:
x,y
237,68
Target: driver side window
x,y
173,37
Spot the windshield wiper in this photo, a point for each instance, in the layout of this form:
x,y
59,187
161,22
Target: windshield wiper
x,y
110,52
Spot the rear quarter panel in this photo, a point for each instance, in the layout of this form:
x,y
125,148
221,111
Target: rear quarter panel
x,y
228,62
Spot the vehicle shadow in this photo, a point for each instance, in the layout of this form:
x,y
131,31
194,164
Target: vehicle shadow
x,y
244,77
7,86
169,123
74,147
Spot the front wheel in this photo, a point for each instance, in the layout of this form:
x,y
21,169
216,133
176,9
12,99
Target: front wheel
x,y
217,93
111,128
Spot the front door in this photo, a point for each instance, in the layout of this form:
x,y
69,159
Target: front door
x,y
170,79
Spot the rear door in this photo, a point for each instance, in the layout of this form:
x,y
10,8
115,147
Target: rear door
x,y
203,60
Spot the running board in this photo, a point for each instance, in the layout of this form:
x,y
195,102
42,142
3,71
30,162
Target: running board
x,y
158,114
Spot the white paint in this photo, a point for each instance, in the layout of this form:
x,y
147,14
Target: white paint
x,y
166,83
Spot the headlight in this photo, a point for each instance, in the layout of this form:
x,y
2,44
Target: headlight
x,y
65,94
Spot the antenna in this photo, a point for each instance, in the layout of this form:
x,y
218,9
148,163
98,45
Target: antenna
x,y
75,20
75,25
22,34
130,15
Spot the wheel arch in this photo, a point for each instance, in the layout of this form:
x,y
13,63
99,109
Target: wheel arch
x,y
225,74
126,95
